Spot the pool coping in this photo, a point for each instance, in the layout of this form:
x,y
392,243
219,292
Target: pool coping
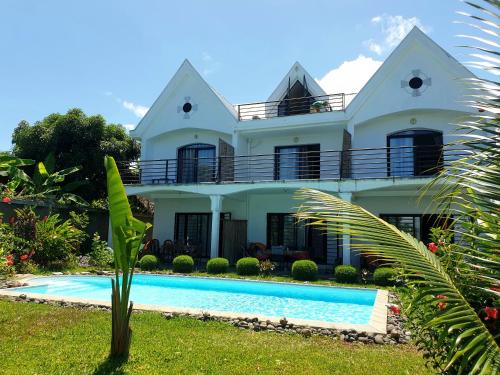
x,y
376,324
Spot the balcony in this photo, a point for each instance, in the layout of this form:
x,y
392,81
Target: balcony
x,y
396,162
293,106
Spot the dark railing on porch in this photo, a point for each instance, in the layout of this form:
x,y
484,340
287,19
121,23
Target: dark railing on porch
x,y
293,106
402,162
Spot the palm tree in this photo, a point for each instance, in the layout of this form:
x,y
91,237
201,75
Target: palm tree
x,y
468,191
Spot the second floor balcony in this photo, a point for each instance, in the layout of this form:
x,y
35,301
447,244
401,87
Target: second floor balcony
x,y
293,106
387,162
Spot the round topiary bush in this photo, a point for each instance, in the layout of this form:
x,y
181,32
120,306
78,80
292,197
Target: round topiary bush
x,y
148,262
384,276
183,264
346,274
217,265
247,266
304,270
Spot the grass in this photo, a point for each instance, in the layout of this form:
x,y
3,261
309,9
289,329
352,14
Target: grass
x,y
42,339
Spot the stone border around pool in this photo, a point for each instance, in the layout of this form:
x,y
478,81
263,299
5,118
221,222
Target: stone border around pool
x,y
377,330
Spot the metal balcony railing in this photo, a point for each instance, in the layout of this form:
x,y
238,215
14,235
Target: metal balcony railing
x,y
294,106
397,162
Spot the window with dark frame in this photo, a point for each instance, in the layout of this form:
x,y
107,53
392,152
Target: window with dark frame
x,y
196,163
284,229
414,153
299,162
195,227
418,225
297,101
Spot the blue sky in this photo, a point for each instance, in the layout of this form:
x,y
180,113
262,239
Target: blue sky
x,y
113,57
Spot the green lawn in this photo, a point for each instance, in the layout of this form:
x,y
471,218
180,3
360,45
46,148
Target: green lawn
x,y
41,339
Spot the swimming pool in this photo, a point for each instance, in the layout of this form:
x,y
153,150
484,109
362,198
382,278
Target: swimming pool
x,y
246,298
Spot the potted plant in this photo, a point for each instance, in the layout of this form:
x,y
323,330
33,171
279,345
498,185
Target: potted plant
x,y
319,106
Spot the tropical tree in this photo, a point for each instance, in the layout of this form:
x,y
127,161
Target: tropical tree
x,y
453,288
75,139
46,183
128,234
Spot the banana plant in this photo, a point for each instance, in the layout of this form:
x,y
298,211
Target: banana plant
x,y
47,183
8,164
128,235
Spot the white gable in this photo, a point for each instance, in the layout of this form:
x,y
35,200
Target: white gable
x,y
205,109
296,73
388,91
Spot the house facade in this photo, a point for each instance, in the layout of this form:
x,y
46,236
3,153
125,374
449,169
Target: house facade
x,y
223,175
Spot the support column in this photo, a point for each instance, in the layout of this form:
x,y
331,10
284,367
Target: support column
x,y
346,239
215,207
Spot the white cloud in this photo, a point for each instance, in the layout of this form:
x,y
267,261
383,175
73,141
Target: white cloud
x,y
129,127
350,76
394,29
210,64
136,109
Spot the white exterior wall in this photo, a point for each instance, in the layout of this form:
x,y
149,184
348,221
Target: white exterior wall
x,y
383,106
373,134
165,146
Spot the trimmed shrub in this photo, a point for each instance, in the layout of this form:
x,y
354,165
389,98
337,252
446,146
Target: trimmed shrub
x,y
247,266
346,274
304,270
183,264
217,265
148,262
384,276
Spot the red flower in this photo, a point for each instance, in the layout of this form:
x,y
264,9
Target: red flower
x,y
491,313
441,306
24,257
45,218
395,309
433,248
6,200
10,260
12,220
440,296
495,289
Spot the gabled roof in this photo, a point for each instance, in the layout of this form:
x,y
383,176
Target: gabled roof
x,y
296,73
186,69
414,36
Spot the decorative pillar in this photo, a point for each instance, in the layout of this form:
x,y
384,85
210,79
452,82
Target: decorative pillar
x,y
346,239
215,207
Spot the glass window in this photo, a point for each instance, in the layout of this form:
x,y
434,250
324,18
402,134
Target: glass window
x,y
414,153
418,226
196,163
195,229
297,101
297,162
285,230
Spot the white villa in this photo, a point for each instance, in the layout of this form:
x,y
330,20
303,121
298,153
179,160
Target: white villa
x,y
223,175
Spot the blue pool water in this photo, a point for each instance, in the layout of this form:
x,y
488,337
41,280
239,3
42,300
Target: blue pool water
x,y
328,304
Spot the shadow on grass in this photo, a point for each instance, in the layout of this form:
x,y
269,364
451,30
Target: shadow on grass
x,y
110,366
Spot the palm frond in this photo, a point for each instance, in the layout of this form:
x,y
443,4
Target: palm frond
x,y
373,236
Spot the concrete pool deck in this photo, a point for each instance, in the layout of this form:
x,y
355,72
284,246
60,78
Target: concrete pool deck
x,y
376,324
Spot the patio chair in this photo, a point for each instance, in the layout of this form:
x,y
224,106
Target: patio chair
x,y
168,250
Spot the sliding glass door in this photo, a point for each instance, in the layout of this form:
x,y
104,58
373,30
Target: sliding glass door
x,y
414,153
196,163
